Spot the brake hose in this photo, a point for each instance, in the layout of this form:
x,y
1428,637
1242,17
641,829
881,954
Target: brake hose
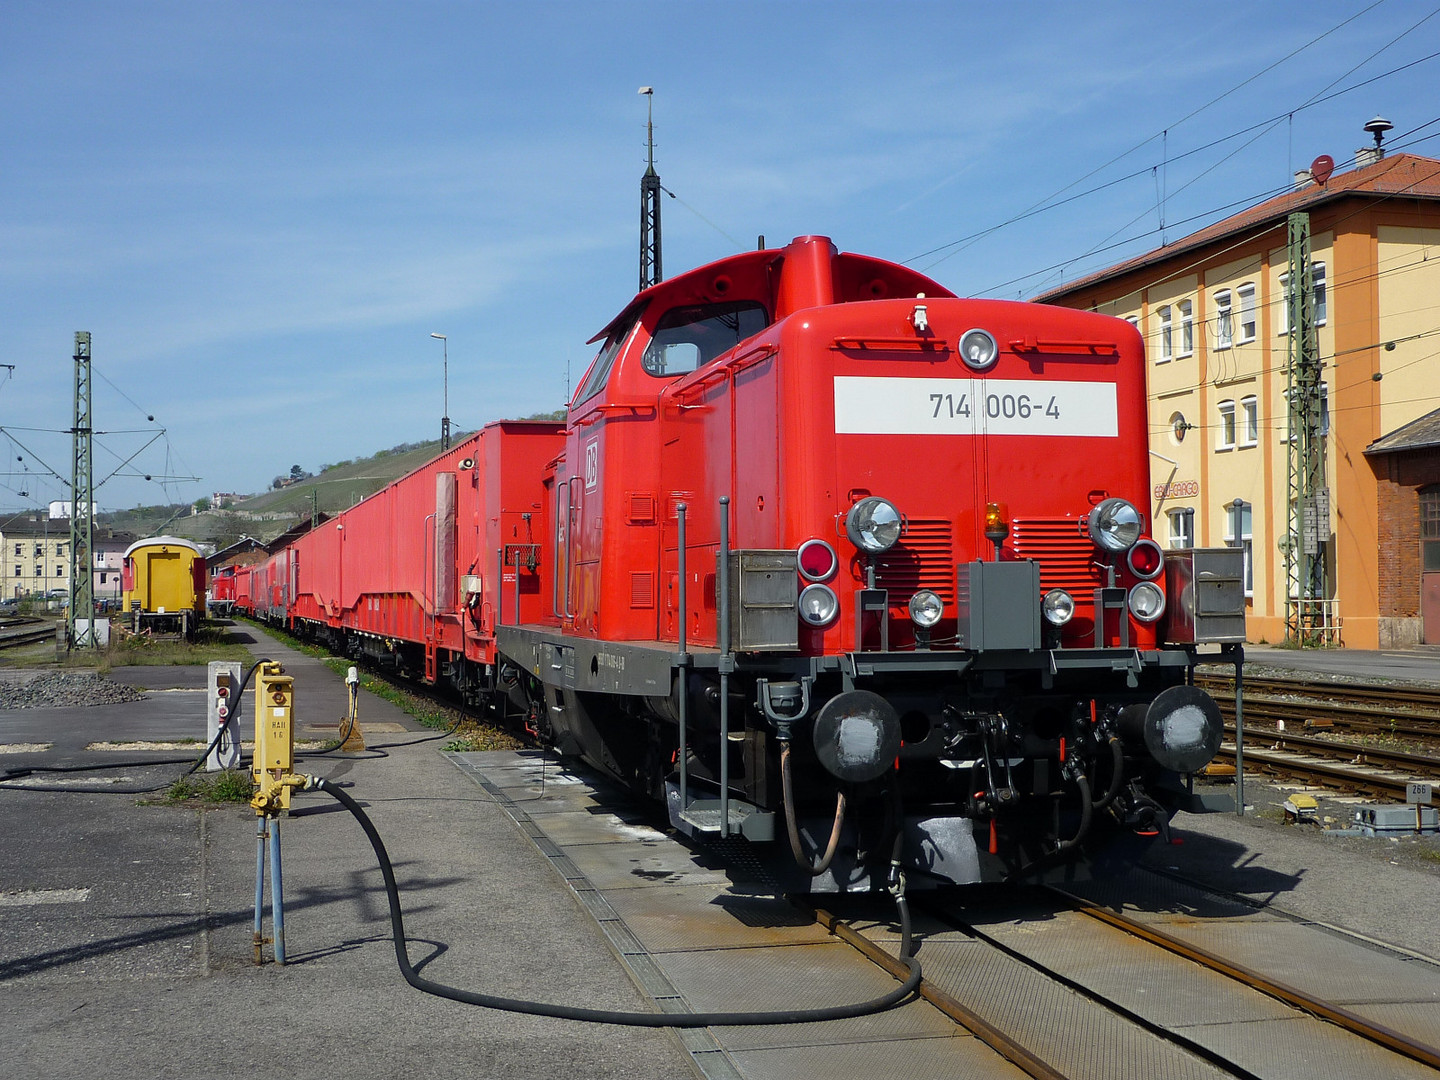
x,y
606,1016
791,827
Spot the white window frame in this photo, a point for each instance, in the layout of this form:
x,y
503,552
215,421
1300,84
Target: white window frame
x,y
1182,527
1238,523
1187,328
1167,335
1225,432
1322,298
1248,323
1249,430
1224,320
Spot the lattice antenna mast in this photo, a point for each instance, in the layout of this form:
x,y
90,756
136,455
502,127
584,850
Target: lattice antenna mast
x,y
82,507
1308,497
650,270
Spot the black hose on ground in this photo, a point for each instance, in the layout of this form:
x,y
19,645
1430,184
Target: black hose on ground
x,y
606,1016
231,724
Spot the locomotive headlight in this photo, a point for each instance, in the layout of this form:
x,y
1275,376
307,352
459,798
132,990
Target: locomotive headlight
x,y
1147,602
978,349
1114,525
818,605
926,608
873,525
1058,607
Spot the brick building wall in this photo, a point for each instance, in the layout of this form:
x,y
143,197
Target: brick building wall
x,y
1400,477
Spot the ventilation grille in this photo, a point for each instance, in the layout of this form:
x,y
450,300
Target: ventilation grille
x,y
1065,554
923,559
642,590
642,508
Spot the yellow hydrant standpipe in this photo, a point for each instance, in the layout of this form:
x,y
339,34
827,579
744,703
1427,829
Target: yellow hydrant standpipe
x,y
271,770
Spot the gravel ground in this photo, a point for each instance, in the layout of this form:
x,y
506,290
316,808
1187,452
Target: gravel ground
x,y
64,689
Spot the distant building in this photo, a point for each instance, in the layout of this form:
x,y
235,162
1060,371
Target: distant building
x,y
36,551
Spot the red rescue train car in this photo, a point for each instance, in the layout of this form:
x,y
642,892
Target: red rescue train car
x,y
824,557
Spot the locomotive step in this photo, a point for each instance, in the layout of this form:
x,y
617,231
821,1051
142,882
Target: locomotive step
x,y
704,817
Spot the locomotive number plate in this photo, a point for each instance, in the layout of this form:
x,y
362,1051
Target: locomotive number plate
x,y
867,405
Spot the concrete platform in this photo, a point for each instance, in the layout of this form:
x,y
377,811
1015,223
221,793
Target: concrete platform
x,y
125,929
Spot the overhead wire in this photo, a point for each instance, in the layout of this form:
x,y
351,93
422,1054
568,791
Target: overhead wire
x,y
1052,201
1270,126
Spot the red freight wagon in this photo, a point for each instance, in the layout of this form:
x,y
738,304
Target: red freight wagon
x,y
411,577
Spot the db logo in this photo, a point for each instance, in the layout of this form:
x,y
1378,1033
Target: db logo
x,y
592,464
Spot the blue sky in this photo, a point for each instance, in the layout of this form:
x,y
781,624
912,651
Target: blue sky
x,y
262,210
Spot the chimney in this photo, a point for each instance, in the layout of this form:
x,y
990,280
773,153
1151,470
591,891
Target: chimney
x,y
1303,179
1369,155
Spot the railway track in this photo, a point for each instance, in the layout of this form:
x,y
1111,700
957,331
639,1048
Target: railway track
x,y
25,631
1297,730
1044,978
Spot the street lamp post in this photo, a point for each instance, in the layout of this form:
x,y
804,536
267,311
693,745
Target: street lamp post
x,y
445,419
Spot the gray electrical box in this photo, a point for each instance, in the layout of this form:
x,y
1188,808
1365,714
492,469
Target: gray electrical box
x,y
763,594
998,605
1205,596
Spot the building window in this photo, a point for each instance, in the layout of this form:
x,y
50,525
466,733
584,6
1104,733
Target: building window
x,y
59,571
59,551
1322,303
1249,421
17,571
40,550
17,549
1133,320
1430,528
1178,428
1246,293
1237,534
1225,439
1182,527
1324,409
1224,326
1187,328
1167,336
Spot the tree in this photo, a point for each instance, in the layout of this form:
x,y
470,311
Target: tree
x,y
202,504
296,473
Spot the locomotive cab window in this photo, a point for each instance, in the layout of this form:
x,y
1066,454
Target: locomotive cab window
x,y
687,338
599,371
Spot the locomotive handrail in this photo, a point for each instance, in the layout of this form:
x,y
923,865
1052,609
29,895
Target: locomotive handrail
x,y
1065,347
934,346
595,415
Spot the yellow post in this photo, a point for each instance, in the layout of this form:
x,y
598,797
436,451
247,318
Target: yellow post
x,y
274,739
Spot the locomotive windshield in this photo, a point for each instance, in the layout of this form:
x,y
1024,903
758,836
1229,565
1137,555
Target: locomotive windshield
x,y
690,337
605,358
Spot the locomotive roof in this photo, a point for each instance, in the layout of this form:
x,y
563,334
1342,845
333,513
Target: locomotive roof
x,y
162,541
699,284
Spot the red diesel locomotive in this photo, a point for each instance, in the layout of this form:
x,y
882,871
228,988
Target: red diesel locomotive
x,y
824,556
